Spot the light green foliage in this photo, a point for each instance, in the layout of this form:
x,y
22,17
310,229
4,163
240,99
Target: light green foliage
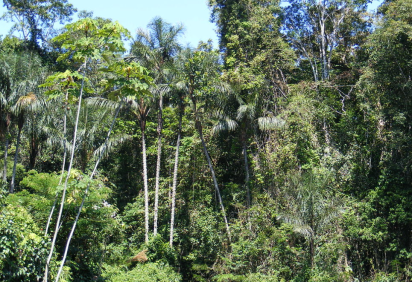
x,y
131,79
142,273
100,227
59,83
86,38
296,133
22,246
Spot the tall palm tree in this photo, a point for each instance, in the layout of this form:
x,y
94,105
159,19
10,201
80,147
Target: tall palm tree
x,y
245,118
26,103
155,49
141,109
181,108
20,72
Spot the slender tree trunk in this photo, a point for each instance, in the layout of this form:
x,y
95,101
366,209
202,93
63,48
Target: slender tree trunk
x,y
312,252
323,42
33,148
146,190
85,194
6,148
199,129
159,154
247,178
63,166
46,272
16,154
312,237
175,170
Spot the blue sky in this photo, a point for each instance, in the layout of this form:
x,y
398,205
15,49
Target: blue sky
x,y
193,14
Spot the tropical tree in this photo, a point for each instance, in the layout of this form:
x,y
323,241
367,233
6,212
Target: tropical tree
x,y
317,28
181,109
36,19
61,88
131,79
141,109
20,74
381,143
312,207
256,58
155,49
25,103
85,40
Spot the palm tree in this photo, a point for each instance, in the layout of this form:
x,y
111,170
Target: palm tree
x,y
99,42
311,208
25,103
20,72
155,50
130,79
141,110
176,166
245,118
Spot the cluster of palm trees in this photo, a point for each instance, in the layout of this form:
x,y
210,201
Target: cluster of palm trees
x,y
188,77
20,74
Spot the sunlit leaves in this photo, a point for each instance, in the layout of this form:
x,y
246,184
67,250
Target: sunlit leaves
x,y
61,82
87,38
130,79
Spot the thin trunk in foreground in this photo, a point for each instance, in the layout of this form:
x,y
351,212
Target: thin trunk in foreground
x,y
6,148
146,190
172,216
62,172
46,272
159,154
85,194
16,155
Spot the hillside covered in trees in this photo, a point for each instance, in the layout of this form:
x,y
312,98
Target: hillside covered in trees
x,y
284,155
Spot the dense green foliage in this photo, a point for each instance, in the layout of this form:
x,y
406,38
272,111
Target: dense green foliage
x,y
283,156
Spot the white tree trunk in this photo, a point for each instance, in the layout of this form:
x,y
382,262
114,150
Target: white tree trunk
x,y
175,170
63,165
159,155
56,231
85,195
146,190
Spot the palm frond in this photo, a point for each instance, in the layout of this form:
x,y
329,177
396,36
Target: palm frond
x,y
299,226
111,144
101,103
270,123
246,111
226,124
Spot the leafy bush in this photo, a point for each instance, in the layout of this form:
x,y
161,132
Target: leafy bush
x,y
23,249
141,273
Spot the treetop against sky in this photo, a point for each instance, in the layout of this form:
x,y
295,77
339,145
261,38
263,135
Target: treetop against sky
x,y
194,15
